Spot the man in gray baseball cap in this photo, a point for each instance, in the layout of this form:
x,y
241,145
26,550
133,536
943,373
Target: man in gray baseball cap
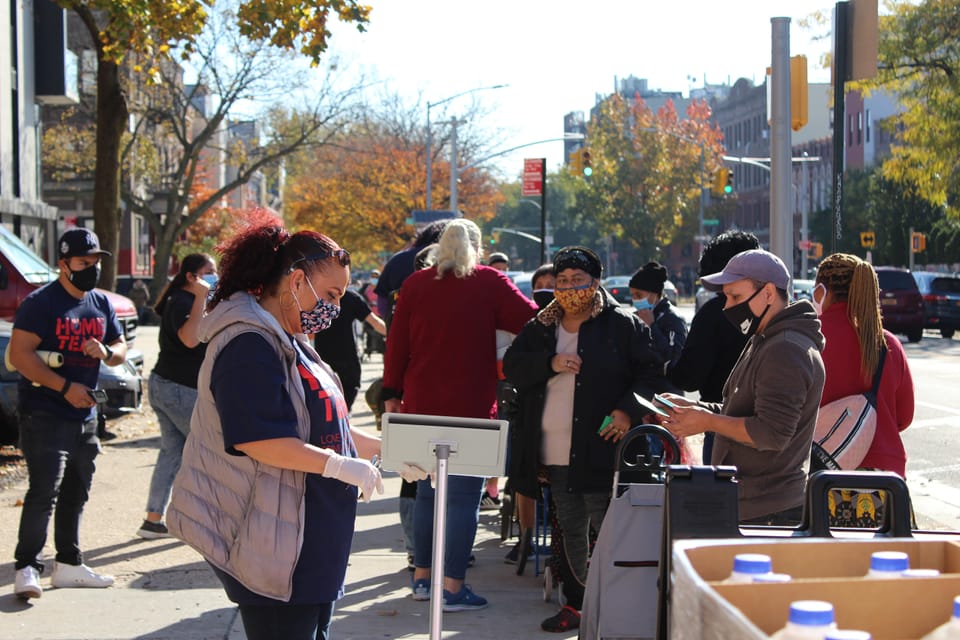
x,y
765,424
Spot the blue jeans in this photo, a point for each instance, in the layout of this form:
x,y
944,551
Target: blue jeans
x,y
287,621
173,404
576,513
60,456
463,512
407,506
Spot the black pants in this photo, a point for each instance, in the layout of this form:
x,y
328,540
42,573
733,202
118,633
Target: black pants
x,y
60,458
287,621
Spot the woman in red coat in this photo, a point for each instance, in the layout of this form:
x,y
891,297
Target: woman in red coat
x,y
846,296
442,360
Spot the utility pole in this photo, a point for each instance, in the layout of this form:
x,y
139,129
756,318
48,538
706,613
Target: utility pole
x,y
454,174
781,167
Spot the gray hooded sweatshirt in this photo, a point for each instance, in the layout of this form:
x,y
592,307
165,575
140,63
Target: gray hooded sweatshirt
x,y
776,385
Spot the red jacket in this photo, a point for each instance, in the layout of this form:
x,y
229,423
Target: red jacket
x,y
895,399
442,348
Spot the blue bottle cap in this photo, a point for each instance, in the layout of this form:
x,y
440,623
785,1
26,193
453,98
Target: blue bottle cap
x,y
811,613
956,607
752,563
847,634
893,561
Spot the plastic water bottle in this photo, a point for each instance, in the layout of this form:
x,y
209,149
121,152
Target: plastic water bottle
x,y
809,620
848,634
949,630
748,565
769,578
888,564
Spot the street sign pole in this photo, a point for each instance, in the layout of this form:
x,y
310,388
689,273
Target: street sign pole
x,y
543,212
534,183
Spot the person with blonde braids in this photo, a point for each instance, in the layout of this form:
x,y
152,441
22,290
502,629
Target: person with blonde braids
x,y
846,296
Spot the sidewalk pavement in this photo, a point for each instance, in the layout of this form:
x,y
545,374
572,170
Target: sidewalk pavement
x,y
164,590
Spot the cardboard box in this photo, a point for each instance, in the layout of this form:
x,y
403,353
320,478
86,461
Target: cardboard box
x,y
823,569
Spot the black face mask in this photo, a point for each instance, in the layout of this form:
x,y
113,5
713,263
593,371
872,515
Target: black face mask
x,y
85,279
742,317
543,297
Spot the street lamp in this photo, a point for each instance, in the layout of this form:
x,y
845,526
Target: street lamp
x,y
430,105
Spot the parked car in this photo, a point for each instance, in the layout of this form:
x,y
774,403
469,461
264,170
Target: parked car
x,y
619,288
941,301
803,289
901,304
523,280
701,297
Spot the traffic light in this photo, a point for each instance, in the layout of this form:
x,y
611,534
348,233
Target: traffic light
x,y
728,185
494,237
816,250
586,164
720,180
575,162
799,91
918,242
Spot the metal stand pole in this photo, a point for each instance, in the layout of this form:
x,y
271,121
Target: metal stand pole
x,y
439,542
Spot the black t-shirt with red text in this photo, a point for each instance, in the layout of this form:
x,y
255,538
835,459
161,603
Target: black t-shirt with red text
x,y
64,323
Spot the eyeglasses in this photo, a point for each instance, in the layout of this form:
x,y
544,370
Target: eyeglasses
x,y
342,256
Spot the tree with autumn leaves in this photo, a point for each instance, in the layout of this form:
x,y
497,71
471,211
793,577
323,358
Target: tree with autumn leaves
x,y
361,187
919,62
145,32
648,170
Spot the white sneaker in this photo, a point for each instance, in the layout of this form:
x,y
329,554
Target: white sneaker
x,y
67,576
26,584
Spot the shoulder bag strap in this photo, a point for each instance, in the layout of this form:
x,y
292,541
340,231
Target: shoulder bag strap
x,y
879,372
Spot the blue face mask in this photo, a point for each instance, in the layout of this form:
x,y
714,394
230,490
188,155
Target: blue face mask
x,y
642,304
211,279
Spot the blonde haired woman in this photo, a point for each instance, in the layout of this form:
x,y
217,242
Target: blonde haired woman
x,y
847,298
441,360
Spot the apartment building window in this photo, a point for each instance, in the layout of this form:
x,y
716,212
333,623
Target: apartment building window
x,y
867,124
859,127
850,130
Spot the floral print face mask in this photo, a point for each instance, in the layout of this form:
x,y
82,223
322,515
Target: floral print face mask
x,y
575,300
320,317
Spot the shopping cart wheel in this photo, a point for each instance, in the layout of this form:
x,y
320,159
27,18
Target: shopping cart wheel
x,y
547,583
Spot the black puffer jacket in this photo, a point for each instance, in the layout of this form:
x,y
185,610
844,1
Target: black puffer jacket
x,y
618,360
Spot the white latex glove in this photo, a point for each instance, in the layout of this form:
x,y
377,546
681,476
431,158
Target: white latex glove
x,y
359,473
413,472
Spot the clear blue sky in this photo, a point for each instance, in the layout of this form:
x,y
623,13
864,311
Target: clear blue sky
x,y
557,55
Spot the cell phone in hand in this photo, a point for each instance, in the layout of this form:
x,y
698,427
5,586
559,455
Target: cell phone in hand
x,y
664,401
99,395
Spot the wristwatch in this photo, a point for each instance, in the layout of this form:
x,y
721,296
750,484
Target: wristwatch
x,y
109,352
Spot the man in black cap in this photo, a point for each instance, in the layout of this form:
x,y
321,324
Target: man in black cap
x,y
57,407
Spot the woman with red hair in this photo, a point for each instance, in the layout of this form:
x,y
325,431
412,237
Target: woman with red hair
x,y
268,486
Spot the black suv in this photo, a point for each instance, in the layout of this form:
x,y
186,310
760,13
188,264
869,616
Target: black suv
x,y
901,304
941,301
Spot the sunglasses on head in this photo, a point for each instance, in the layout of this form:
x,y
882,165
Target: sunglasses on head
x,y
342,256
577,257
